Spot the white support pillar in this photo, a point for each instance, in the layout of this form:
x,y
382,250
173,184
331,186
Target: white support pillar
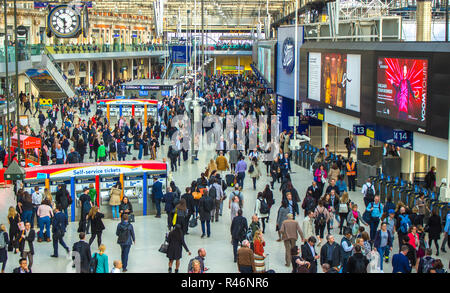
x,y
88,73
215,66
324,134
132,69
112,71
412,163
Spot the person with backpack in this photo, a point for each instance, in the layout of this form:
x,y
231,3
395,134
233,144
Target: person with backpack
x,y
63,198
426,262
357,263
4,241
375,209
121,150
126,238
262,210
99,261
369,192
403,224
205,206
321,216
113,150
254,171
85,207
237,192
217,194
238,231
383,242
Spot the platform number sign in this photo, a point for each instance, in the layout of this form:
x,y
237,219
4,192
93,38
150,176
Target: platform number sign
x,y
359,129
400,135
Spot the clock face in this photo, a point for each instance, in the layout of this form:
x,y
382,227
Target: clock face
x,y
64,21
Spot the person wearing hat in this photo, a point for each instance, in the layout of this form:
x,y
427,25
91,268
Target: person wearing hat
x,y
290,229
157,195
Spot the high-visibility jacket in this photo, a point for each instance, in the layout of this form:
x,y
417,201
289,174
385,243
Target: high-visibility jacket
x,y
351,169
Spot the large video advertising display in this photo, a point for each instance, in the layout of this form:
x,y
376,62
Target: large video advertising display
x,y
334,79
402,90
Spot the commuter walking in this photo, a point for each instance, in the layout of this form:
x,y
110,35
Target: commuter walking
x,y
175,248
114,200
59,225
84,254
4,241
26,246
97,225
126,238
290,229
101,260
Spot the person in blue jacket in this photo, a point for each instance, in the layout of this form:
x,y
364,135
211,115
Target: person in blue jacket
x,y
157,195
376,211
400,263
446,233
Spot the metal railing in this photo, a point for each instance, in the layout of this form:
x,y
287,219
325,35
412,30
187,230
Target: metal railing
x,y
103,48
24,53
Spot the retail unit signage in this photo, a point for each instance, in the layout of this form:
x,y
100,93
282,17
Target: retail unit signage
x,y
148,87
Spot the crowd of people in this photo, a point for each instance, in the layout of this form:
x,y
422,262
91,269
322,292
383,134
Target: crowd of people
x,y
368,231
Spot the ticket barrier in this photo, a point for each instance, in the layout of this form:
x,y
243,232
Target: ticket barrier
x,y
137,187
310,157
303,152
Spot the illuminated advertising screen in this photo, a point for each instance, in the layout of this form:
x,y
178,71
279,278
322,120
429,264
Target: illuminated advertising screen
x,y
334,79
402,89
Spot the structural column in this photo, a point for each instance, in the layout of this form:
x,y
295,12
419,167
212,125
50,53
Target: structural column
x,y
112,71
150,67
215,66
324,134
88,73
423,16
132,69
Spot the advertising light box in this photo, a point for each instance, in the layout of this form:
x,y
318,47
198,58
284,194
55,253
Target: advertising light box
x,y
334,79
402,90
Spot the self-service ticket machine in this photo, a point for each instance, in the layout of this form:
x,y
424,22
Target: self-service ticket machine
x,y
136,179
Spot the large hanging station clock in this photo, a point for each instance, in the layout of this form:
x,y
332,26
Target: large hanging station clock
x,y
64,21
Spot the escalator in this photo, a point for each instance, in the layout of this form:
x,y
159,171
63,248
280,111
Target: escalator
x,y
49,79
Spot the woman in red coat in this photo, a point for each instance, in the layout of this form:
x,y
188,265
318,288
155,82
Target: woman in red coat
x,y
258,248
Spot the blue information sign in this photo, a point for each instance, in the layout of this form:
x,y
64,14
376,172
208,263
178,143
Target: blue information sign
x,y
143,93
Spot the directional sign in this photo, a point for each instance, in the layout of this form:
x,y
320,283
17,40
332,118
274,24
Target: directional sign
x,y
359,129
315,113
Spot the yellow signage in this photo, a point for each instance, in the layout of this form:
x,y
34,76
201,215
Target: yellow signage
x,y
45,102
370,133
320,116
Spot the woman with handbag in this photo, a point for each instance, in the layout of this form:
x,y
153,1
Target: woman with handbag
x,y
13,219
181,212
114,200
320,176
97,225
299,265
126,208
175,241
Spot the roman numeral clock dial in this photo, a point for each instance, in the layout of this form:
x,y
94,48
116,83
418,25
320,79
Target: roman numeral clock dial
x,y
64,21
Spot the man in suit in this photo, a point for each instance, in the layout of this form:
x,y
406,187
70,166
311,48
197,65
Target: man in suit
x,y
169,199
26,247
315,191
309,254
157,195
59,225
23,268
84,250
238,231
285,164
289,231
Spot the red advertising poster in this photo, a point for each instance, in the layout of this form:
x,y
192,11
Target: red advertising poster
x,y
402,89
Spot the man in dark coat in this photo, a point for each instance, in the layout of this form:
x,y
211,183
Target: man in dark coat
x,y
238,231
84,254
205,216
157,195
330,252
169,198
59,225
23,269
